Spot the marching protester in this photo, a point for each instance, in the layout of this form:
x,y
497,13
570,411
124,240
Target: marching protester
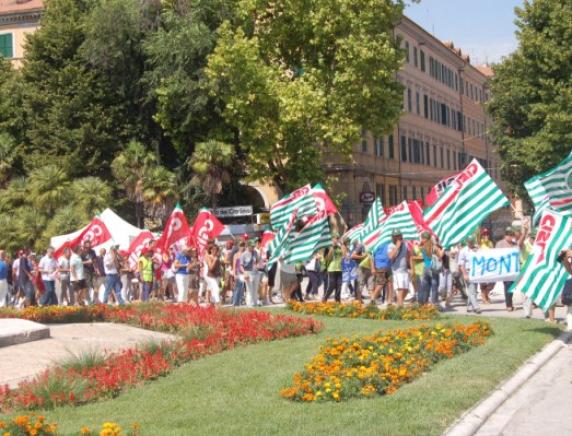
x,y
333,260
77,277
112,267
248,262
432,265
26,279
48,267
288,280
313,269
145,270
399,255
465,268
381,271
238,277
4,272
66,293
485,243
508,241
363,271
566,259
213,275
417,267
349,271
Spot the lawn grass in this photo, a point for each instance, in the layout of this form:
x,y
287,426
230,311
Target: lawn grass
x,y
237,392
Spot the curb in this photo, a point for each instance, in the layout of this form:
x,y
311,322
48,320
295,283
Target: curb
x,y
472,420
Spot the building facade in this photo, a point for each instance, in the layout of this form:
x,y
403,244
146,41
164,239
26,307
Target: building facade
x,y
443,127
17,19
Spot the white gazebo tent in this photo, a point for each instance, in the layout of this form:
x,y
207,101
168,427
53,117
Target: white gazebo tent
x,y
122,233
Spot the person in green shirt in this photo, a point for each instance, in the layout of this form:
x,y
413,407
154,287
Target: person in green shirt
x,y
145,268
334,269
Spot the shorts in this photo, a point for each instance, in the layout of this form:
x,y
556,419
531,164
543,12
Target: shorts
x,y
287,280
400,280
79,285
380,277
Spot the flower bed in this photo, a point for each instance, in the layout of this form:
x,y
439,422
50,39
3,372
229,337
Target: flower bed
x,y
380,364
203,331
32,425
369,311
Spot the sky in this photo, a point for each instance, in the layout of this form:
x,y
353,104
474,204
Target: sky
x,y
482,28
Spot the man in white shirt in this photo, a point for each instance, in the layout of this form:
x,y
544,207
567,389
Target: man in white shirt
x,y
465,259
48,268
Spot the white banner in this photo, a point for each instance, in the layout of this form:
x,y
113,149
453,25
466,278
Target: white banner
x,y
494,265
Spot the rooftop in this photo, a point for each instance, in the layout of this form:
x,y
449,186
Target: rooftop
x,y
15,6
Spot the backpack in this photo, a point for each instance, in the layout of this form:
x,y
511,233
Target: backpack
x,y
381,258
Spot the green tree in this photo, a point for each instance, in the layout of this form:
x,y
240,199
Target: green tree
x,y
49,188
531,102
159,194
295,78
212,163
177,55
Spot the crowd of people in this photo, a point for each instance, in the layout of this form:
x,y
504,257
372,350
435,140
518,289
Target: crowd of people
x,y
238,272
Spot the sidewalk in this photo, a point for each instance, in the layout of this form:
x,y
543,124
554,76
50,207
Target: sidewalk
x,y
541,405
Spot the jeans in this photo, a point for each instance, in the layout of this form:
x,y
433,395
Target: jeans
x,y
113,283
313,282
472,292
146,289
29,292
446,282
252,281
49,297
237,292
334,285
507,294
429,286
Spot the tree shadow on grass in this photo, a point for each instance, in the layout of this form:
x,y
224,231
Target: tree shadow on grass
x,y
551,330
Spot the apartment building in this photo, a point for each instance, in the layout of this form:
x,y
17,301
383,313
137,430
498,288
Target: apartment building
x,y
17,19
442,128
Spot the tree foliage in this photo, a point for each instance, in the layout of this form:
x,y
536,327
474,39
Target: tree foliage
x,y
531,101
296,76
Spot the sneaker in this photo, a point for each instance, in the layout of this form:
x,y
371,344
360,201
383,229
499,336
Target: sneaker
x,y
478,311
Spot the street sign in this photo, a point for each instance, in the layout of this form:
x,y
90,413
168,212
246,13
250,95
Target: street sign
x,y
232,212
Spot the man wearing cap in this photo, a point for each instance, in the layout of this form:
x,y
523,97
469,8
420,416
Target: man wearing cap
x,y
465,259
507,242
399,255
111,264
248,261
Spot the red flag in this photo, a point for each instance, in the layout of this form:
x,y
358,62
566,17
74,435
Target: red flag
x,y
142,240
267,236
176,229
417,214
323,201
206,226
96,232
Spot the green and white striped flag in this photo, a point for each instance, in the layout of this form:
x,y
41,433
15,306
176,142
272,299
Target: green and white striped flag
x,y
542,277
301,200
468,200
315,235
552,189
400,219
277,246
375,216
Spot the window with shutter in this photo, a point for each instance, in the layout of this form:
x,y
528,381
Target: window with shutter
x,y
6,45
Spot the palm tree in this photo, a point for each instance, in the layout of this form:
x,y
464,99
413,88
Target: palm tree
x,y
129,168
67,219
90,195
49,188
211,162
30,225
15,195
159,192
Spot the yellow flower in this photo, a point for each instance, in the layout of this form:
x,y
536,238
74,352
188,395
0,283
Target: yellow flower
x,y
85,430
